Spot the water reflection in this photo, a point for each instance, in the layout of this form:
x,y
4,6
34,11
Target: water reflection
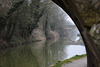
x,y
39,54
73,35
73,50
18,57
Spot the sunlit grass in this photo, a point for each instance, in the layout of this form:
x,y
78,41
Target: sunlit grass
x,y
59,63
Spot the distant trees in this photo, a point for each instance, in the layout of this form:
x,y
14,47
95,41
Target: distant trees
x,y
56,19
22,19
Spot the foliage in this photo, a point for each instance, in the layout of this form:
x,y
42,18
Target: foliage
x,y
21,19
14,8
89,11
5,24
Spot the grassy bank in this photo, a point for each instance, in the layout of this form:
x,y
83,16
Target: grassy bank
x,y
59,63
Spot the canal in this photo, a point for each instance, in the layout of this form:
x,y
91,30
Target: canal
x,y
40,54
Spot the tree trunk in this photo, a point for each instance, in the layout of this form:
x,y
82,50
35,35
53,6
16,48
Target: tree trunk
x,y
11,31
93,56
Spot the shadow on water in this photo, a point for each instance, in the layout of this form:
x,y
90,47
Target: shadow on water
x,y
38,54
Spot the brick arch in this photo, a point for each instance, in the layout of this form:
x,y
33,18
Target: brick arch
x,y
93,55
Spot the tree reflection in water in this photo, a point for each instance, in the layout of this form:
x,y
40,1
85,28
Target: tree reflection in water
x,y
38,54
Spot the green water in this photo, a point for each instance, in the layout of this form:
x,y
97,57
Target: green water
x,y
38,54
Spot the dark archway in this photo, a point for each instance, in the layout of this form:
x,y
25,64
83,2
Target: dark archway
x,y
70,8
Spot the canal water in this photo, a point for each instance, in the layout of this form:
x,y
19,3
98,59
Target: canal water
x,y
40,54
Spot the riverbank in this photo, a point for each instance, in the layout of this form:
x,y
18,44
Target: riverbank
x,y
77,63
67,61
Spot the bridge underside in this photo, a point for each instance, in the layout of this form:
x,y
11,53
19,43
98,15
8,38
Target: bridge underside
x,y
70,8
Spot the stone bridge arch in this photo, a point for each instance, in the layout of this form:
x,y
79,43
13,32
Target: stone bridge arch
x,y
93,55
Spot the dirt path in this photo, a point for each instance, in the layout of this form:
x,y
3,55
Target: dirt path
x,y
77,63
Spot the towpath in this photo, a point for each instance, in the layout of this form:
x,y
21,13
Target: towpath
x,y
77,63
